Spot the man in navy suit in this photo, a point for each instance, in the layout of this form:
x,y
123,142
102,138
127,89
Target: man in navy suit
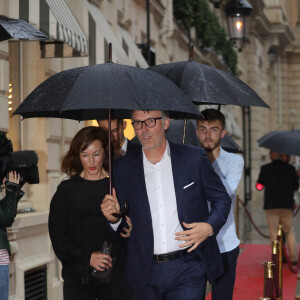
x,y
172,248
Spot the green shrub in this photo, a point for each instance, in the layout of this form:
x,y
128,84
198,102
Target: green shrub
x,y
197,13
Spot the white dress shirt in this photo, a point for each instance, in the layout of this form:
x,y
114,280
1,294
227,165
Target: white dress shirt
x,y
124,146
229,167
162,200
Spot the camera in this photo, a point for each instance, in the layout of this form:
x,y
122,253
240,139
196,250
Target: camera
x,y
23,162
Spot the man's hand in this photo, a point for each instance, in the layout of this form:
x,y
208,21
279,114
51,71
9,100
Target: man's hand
x,y
100,261
109,206
194,235
127,230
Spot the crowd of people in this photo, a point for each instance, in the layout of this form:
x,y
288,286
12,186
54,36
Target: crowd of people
x,y
179,231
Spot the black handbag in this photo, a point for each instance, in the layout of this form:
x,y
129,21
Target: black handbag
x,y
113,250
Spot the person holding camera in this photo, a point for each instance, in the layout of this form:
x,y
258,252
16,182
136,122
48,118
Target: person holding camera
x,y
8,210
79,231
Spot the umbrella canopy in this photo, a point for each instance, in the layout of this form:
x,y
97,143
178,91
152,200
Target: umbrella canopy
x,y
208,85
87,93
228,144
282,141
19,29
175,132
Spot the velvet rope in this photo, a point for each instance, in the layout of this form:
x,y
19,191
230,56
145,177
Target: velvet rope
x,y
268,288
275,260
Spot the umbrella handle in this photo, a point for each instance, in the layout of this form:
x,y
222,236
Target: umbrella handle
x,y
123,212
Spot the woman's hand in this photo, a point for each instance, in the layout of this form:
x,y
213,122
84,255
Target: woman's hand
x,y
127,230
109,206
14,177
100,261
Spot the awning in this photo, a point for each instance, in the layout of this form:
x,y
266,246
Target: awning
x,y
68,30
135,52
54,18
107,33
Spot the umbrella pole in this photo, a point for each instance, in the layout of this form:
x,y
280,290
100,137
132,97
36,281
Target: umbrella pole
x,y
191,52
109,130
184,131
185,120
109,152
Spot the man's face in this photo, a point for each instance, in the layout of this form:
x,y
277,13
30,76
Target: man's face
x,y
117,131
150,138
210,134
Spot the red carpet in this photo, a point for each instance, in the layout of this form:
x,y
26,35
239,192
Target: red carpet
x,y
250,274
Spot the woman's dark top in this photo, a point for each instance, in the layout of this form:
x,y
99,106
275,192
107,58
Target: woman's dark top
x,y
77,226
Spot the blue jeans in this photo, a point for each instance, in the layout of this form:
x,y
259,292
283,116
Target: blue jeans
x,y
4,282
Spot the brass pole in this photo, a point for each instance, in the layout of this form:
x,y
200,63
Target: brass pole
x,y
268,279
279,238
275,260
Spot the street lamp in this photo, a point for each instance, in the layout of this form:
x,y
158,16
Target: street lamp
x,y
238,18
272,54
216,3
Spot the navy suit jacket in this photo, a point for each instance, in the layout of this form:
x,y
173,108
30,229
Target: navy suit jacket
x,y
132,145
189,164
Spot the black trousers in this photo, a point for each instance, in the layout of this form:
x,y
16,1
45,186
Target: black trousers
x,y
181,279
222,288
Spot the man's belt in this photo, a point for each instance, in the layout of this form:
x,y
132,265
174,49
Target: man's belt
x,y
170,256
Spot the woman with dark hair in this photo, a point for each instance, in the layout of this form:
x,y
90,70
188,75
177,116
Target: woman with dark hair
x,y
77,226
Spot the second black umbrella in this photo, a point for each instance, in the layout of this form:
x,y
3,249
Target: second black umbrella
x,y
208,85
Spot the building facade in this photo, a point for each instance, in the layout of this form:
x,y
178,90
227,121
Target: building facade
x,y
80,31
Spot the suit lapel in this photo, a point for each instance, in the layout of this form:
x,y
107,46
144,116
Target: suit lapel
x,y
141,191
177,169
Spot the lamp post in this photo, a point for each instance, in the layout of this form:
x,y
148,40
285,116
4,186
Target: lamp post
x,y
238,14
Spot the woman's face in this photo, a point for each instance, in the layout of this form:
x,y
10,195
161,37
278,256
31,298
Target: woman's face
x,y
92,160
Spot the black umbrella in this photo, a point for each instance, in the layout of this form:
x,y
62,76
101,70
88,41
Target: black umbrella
x,y
175,132
105,91
208,85
19,29
282,141
87,93
228,144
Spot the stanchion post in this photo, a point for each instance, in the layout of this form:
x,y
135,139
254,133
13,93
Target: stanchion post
x,y
275,260
280,252
268,279
264,298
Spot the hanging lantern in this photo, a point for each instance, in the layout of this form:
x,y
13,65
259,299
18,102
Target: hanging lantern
x,y
216,3
238,14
